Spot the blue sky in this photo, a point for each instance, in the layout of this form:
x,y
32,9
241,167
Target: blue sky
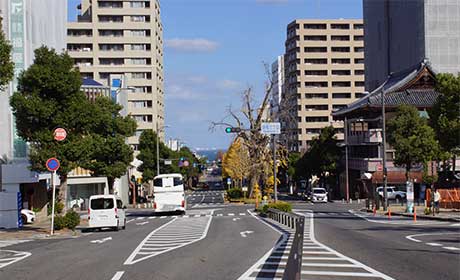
x,y
214,49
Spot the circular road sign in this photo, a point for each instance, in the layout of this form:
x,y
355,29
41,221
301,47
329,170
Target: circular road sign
x,y
186,163
52,164
60,134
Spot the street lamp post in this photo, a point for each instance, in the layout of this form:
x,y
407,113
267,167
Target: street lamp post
x,y
347,186
384,156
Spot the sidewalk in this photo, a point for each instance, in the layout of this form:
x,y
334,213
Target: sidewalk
x,y
448,215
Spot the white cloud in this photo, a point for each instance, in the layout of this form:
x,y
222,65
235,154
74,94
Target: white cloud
x,y
228,84
272,1
191,45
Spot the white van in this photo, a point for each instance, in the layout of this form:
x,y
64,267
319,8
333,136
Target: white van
x,y
169,195
106,211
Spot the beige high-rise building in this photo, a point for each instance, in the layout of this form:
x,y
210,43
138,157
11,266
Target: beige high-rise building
x,y
324,71
119,43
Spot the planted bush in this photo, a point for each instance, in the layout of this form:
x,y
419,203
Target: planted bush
x,y
58,207
235,193
72,220
280,205
59,222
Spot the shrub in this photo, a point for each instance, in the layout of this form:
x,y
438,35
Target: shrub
x,y
72,220
59,222
235,193
427,211
280,205
58,207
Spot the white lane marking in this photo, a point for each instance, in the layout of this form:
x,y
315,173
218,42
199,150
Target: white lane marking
x,y
411,237
5,243
141,224
151,218
455,225
452,248
242,214
99,241
188,226
130,220
231,214
264,259
310,235
163,217
140,218
329,264
15,257
235,219
434,244
220,215
118,275
245,233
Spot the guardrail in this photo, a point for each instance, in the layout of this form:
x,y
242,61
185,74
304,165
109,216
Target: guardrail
x,y
297,222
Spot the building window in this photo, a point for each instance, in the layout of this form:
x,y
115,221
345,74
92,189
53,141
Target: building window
x,y
139,61
338,106
140,33
341,84
359,84
139,18
137,4
141,75
316,119
315,60
359,60
315,49
138,47
316,72
110,4
340,26
340,38
341,72
359,95
110,18
359,49
143,118
315,84
359,72
141,104
317,107
111,47
316,95
359,38
315,37
79,32
111,61
340,49
340,61
314,26
341,95
358,26
313,130
80,47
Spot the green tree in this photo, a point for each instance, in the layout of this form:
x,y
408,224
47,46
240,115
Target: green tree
x,y
6,65
321,159
293,160
110,154
445,114
412,138
49,96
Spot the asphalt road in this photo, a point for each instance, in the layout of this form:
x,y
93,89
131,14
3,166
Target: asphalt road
x,y
398,248
214,240
205,243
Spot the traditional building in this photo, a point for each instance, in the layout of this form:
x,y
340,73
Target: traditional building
x,y
363,129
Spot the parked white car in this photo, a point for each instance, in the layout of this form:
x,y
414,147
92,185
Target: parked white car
x,y
392,193
106,211
27,216
319,195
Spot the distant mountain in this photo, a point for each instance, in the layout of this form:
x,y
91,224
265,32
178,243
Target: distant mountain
x,y
210,154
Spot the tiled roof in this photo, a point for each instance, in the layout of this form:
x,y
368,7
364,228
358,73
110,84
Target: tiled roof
x,y
91,82
415,97
393,97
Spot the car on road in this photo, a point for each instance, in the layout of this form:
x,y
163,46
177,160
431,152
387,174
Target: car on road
x,y
106,211
319,195
392,193
27,216
169,194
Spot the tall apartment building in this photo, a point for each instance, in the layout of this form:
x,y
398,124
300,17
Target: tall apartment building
x,y
277,70
324,71
119,43
399,34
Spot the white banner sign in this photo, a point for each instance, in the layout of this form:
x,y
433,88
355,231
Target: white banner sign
x,y
271,128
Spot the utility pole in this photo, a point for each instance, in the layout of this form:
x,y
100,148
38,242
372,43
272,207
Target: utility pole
x,y
347,187
158,149
384,154
274,168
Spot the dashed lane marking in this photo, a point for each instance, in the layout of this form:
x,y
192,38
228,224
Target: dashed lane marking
x,y
118,275
415,238
5,243
170,236
452,248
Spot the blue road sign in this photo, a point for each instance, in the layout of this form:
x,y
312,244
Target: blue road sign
x,y
52,164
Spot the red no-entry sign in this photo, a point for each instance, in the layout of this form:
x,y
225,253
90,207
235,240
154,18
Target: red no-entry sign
x,y
60,134
52,164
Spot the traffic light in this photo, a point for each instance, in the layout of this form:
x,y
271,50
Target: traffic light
x,y
182,158
232,129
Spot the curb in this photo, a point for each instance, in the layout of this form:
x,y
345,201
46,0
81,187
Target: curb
x,y
419,216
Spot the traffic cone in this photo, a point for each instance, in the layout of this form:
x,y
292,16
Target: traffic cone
x,y
389,213
415,214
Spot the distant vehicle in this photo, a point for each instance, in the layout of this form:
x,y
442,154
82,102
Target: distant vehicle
x,y
106,211
27,216
319,195
392,193
169,195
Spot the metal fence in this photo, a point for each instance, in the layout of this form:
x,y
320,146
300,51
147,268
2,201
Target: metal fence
x,y
296,222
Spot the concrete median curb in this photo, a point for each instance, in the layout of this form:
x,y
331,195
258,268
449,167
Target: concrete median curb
x,y
419,216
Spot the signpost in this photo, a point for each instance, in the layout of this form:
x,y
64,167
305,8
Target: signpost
x,y
60,134
410,196
272,128
52,165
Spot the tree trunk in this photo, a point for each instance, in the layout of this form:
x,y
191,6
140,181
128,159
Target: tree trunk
x,y
454,159
110,182
63,192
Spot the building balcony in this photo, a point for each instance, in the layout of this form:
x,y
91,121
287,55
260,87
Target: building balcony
x,y
372,136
